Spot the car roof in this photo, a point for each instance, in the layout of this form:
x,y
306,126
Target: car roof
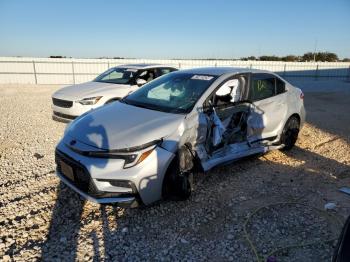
x,y
143,66
218,71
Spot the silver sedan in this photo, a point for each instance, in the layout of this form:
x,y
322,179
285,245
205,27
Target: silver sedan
x,y
148,145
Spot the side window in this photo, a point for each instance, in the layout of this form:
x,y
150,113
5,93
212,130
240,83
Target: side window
x,y
148,75
230,91
280,86
262,87
113,76
163,71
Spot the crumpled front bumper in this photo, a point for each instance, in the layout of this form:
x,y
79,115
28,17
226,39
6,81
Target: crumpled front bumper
x,y
96,179
122,201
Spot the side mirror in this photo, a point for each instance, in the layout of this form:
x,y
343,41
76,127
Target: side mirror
x,y
140,81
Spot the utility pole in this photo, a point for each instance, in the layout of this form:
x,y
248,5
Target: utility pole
x,y
315,49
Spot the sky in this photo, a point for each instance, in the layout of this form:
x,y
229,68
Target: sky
x,y
173,29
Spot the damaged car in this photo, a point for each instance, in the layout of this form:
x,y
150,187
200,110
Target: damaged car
x,y
148,145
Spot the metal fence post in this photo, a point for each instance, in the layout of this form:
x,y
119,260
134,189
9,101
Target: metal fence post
x,y
73,73
108,64
284,70
316,73
179,65
34,70
251,66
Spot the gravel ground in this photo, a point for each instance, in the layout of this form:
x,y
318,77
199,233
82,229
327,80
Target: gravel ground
x,y
42,219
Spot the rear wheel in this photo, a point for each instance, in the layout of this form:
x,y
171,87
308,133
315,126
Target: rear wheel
x,y
290,133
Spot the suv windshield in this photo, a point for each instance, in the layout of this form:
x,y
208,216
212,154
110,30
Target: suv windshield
x,y
117,75
174,93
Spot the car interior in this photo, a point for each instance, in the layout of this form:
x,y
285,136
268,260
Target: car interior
x,y
229,113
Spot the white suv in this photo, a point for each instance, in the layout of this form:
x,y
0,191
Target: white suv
x,y
117,82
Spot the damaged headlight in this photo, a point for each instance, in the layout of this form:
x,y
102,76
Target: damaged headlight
x,y
89,100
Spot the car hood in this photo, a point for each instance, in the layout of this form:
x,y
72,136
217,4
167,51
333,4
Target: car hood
x,y
91,89
120,126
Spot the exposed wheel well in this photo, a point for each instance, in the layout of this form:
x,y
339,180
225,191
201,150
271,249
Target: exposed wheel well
x,y
183,162
294,115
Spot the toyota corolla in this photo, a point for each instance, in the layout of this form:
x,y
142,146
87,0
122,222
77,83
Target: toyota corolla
x,y
148,145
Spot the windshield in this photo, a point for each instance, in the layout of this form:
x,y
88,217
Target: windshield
x,y
117,75
174,93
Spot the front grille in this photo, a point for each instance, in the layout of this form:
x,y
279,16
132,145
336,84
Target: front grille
x,y
64,115
62,103
82,178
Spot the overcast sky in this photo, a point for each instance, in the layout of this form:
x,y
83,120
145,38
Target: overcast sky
x,y
173,29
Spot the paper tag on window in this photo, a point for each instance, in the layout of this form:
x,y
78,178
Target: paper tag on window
x,y
202,77
131,70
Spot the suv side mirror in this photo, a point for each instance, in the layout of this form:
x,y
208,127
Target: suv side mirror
x,y
140,81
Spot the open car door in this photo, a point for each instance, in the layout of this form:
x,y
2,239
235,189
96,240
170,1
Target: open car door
x,y
230,120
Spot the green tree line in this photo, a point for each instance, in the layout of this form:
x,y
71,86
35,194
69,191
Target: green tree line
x,y
307,57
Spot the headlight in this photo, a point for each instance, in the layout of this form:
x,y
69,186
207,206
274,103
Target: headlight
x,y
131,156
135,159
89,100
131,159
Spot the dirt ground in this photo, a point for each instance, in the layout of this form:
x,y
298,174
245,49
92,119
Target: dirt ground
x,y
268,205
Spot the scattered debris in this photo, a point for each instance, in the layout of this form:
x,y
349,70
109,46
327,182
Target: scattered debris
x,y
38,156
330,206
183,241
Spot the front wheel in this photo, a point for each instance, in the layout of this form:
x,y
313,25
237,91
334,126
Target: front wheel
x,y
177,185
290,133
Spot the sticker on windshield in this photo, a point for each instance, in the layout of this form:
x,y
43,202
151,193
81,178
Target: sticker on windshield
x,y
202,77
131,70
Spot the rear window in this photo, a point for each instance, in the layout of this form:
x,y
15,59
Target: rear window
x,y
280,86
265,85
163,71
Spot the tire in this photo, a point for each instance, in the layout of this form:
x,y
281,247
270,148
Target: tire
x,y
176,185
290,133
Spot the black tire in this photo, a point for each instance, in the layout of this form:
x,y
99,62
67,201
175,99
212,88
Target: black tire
x,y
290,133
176,185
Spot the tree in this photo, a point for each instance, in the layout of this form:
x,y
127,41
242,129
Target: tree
x,y
320,56
291,58
269,58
